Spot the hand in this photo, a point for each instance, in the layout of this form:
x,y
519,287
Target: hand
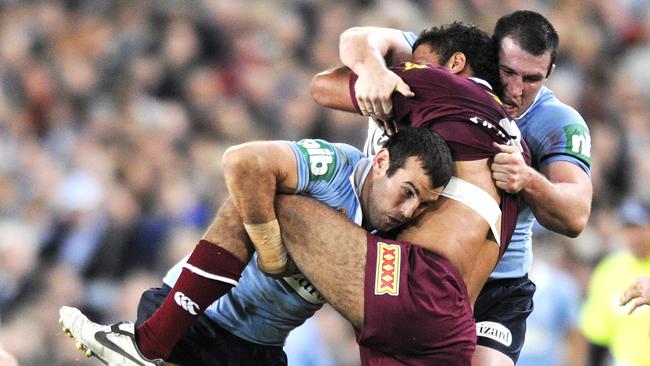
x,y
388,126
638,294
373,91
509,169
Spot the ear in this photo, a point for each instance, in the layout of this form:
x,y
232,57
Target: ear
x,y
456,63
550,71
381,161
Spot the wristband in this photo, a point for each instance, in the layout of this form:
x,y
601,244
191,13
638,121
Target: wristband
x,y
267,241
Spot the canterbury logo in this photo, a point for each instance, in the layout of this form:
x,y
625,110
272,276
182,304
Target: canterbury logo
x,y
388,266
186,303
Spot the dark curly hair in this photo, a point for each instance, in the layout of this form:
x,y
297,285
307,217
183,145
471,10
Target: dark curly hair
x,y
480,52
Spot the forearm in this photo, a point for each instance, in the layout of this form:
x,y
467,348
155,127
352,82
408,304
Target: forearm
x,y
562,207
366,48
330,89
251,183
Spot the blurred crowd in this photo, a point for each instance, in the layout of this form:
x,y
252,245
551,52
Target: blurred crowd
x,y
114,116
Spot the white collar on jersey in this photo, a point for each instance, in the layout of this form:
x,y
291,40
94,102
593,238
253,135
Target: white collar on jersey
x,y
531,104
481,81
357,178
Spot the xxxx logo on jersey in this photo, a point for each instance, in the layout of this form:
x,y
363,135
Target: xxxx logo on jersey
x,y
388,267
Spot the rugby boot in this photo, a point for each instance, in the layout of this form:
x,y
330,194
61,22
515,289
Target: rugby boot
x,y
113,344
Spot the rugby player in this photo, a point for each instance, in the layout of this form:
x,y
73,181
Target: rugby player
x,y
245,326
556,190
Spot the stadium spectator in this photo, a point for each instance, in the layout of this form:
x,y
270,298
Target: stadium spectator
x,y
607,325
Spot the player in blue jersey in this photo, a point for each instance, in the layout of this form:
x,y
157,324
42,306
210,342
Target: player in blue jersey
x,y
250,323
557,191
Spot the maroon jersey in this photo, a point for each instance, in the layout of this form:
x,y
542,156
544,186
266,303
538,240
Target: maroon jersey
x,y
416,308
464,112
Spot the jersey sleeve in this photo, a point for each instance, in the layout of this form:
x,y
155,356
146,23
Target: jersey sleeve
x,y
353,94
569,142
323,166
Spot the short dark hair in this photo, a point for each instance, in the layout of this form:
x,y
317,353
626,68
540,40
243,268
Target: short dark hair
x,y
480,52
531,31
427,146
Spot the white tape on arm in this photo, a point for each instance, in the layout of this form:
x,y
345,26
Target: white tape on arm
x,y
478,200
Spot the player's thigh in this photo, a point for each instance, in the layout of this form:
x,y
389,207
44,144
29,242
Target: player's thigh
x,y
329,249
486,356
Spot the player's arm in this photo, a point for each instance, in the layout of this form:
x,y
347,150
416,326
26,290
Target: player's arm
x,y
330,89
366,51
559,195
255,172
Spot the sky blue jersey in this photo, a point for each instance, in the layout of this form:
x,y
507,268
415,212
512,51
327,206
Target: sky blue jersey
x,y
264,310
554,132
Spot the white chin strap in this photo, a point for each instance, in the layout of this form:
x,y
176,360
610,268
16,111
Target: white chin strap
x,y
478,200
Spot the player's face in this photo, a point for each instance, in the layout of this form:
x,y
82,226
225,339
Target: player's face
x,y
396,199
522,75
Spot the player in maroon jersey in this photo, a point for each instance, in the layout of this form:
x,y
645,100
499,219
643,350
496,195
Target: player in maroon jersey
x,y
410,305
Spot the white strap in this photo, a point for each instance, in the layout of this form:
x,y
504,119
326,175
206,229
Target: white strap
x,y
209,275
478,200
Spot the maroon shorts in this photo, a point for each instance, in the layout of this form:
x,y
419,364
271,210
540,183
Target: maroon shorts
x,y
417,310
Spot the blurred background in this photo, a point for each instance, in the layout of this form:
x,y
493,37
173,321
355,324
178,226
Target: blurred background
x,y
114,116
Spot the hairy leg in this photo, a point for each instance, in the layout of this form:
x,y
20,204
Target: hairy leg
x,y
329,249
228,232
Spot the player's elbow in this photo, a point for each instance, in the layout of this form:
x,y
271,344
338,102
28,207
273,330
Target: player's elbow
x,y
318,88
236,160
351,35
575,226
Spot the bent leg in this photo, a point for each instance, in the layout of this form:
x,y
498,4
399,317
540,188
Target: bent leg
x,y
329,249
213,268
227,231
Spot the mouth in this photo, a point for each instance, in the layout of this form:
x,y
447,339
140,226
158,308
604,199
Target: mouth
x,y
508,104
393,222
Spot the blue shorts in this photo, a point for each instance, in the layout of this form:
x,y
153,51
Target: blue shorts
x,y
501,311
206,343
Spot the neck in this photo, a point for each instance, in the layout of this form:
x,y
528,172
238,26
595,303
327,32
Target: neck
x,y
364,199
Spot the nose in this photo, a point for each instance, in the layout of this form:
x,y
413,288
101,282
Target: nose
x,y
409,209
515,86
